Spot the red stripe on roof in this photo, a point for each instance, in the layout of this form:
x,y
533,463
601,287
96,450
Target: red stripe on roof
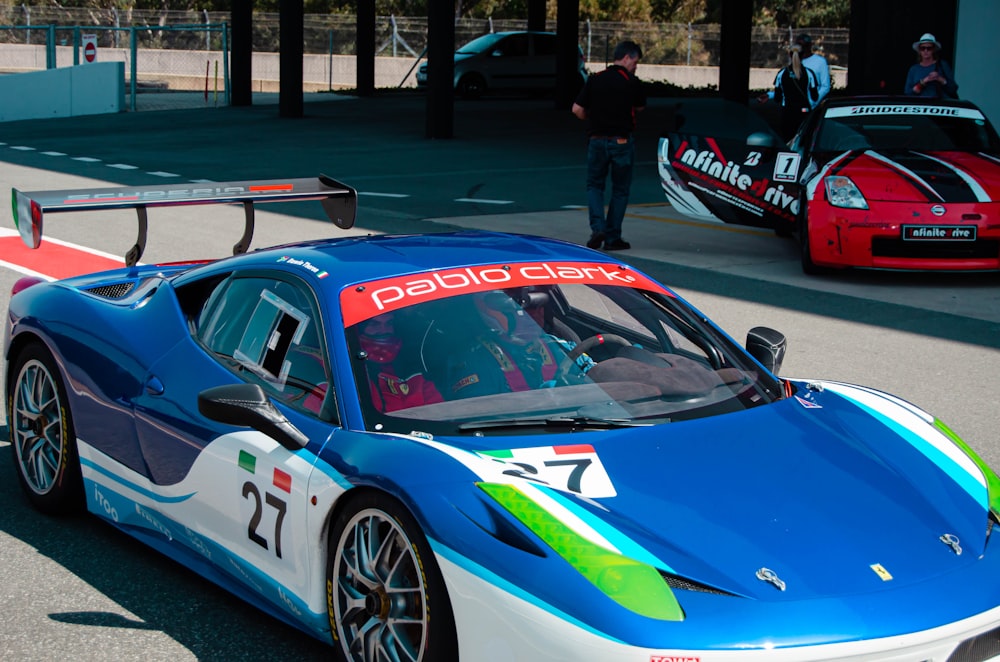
x,y
55,260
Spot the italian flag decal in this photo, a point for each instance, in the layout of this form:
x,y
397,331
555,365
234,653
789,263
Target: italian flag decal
x,y
280,479
574,468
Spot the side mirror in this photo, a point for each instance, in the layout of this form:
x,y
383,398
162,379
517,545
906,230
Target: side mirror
x,y
247,405
764,140
767,346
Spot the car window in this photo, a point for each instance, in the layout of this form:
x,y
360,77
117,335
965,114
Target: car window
x,y
267,331
516,45
475,357
967,131
545,44
483,44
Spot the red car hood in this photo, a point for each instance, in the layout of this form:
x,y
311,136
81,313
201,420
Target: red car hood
x,y
923,177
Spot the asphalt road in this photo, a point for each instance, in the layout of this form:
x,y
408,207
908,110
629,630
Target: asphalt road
x,y
78,589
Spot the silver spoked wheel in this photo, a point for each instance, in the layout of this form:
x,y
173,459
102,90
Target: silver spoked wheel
x,y
42,433
37,430
381,599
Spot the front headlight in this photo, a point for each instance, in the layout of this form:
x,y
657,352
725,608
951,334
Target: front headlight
x,y
842,192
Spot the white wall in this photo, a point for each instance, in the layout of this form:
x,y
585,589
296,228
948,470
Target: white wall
x,y
977,55
87,89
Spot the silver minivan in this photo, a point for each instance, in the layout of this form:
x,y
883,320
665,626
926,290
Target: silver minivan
x,y
505,61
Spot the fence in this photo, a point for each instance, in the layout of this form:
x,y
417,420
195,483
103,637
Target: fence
x,y
161,68
171,50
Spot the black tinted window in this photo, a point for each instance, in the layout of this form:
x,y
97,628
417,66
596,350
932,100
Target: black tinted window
x,y
906,131
545,44
515,45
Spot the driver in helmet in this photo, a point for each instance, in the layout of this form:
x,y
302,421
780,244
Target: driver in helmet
x,y
391,384
511,351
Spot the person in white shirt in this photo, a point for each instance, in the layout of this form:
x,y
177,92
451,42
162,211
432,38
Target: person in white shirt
x,y
815,63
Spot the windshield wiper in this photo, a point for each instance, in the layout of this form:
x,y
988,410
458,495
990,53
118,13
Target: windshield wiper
x,y
582,422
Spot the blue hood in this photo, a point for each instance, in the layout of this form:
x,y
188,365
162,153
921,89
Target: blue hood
x,y
823,489
871,518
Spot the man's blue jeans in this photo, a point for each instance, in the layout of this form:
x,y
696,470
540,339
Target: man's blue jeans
x,y
606,155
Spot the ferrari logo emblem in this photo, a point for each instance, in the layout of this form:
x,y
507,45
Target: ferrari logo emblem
x,y
881,572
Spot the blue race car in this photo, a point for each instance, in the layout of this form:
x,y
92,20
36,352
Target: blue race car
x,y
487,446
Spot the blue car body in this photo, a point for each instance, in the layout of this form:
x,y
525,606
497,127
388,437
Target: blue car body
x,y
818,520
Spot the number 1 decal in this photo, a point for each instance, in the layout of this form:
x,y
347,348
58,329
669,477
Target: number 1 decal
x,y
786,167
573,468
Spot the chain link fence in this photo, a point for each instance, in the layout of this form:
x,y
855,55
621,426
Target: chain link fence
x,y
188,50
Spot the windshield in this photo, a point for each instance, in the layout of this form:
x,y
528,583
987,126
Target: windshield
x,y
910,127
481,44
557,357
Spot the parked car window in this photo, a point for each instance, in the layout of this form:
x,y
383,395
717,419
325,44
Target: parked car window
x,y
267,331
482,44
515,45
545,44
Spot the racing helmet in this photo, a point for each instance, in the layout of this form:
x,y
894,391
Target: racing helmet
x,y
497,310
378,339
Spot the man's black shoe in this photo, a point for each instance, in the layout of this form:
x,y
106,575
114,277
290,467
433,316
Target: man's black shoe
x,y
617,245
595,240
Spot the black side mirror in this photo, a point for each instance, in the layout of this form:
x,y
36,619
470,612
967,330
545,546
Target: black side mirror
x,y
767,346
765,140
247,405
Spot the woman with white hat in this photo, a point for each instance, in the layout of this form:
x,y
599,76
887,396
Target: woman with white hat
x,y
930,76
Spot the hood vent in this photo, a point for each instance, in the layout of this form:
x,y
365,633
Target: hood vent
x,y
679,583
979,648
113,291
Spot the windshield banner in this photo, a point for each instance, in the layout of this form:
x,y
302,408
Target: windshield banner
x,y
361,302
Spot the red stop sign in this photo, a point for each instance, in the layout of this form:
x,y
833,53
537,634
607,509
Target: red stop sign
x,y
90,51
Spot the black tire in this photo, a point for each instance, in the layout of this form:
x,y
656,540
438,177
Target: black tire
x,y
471,86
376,548
808,266
42,434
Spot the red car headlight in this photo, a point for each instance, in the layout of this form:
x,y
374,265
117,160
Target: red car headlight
x,y
842,192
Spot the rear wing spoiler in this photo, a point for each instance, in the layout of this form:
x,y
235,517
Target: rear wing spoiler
x,y
339,201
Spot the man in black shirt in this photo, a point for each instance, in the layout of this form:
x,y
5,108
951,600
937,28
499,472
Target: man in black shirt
x,y
609,101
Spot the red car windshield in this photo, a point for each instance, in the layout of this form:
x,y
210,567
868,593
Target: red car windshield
x,y
918,128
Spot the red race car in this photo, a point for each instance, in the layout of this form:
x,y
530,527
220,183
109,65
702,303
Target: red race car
x,y
875,182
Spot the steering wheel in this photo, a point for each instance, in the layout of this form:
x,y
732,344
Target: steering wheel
x,y
567,363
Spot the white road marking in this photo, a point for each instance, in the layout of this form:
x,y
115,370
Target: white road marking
x,y
384,195
485,201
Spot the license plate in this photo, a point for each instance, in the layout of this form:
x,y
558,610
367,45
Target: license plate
x,y
939,233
